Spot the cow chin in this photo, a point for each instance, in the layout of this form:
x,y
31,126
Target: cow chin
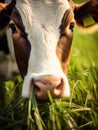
x,y
58,86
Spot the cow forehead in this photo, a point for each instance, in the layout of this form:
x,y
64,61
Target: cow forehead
x,y
41,12
42,19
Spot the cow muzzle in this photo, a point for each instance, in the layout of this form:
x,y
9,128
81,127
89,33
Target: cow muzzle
x,y
43,85
48,84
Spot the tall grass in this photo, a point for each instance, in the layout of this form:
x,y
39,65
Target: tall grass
x,y
80,111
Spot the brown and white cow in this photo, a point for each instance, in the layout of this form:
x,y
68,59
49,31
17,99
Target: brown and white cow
x,y
38,34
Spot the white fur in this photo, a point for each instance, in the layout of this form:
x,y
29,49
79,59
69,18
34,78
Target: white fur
x,y
42,19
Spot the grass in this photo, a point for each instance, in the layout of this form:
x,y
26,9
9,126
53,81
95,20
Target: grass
x,y
79,112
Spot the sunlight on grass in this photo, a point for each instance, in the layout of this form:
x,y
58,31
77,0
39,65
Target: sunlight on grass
x,y
79,112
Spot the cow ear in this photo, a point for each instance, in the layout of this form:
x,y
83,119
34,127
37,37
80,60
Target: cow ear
x,y
5,13
86,14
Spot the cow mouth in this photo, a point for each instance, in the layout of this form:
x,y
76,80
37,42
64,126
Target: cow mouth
x,y
41,88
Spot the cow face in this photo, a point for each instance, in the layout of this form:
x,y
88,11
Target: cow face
x,y
49,27
39,35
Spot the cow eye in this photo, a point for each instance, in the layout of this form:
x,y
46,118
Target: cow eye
x,y
71,27
13,27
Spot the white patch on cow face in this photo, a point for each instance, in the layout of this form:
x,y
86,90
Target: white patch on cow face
x,y
42,19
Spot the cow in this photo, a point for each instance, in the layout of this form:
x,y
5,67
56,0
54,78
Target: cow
x,y
38,35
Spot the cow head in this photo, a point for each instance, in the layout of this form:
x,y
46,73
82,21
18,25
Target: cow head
x,y
39,34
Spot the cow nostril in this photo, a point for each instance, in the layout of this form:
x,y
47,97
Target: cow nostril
x,y
58,90
42,86
36,89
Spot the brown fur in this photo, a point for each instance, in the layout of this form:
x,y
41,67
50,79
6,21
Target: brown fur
x,y
2,5
65,41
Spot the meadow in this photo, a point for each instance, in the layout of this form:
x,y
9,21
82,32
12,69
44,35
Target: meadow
x,y
79,112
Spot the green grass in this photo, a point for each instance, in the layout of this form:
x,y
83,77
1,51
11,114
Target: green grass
x,y
79,112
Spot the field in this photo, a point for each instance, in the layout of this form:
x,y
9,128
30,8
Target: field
x,y
79,112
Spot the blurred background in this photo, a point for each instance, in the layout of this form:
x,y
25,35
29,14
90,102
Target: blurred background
x,y
85,47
